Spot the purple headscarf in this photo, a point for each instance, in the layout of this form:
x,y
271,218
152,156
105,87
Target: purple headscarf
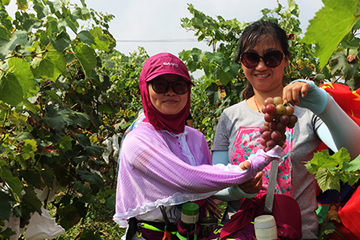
x,y
160,64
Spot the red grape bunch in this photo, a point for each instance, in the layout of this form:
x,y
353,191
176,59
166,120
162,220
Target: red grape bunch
x,y
277,117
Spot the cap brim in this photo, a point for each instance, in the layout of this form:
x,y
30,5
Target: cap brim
x,y
163,73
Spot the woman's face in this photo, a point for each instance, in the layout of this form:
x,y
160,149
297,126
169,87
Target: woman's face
x,y
170,102
262,77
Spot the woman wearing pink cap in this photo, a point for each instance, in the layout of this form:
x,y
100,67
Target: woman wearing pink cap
x,y
163,163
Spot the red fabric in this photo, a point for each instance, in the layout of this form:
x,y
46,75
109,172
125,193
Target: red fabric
x,y
350,214
342,233
160,64
348,100
286,212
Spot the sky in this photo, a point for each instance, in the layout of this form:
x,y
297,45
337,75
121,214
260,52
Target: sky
x,y
152,20
149,20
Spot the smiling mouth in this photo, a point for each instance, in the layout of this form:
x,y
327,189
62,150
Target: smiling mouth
x,y
170,101
262,75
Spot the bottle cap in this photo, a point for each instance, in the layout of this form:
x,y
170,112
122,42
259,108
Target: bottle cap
x,y
190,208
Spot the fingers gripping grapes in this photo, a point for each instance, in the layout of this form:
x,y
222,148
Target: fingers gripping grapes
x,y
291,92
277,116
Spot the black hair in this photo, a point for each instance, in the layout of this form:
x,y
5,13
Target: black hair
x,y
250,37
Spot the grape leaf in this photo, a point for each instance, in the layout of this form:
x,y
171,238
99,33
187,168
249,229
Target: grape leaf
x,y
14,183
11,91
341,156
330,25
340,64
100,39
352,178
31,200
18,38
21,70
51,66
354,165
86,57
320,160
332,169
22,4
5,206
86,37
327,180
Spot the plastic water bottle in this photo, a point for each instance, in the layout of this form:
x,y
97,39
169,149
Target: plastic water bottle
x,y
265,227
189,218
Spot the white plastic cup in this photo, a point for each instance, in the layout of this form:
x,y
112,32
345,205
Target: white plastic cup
x,y
265,227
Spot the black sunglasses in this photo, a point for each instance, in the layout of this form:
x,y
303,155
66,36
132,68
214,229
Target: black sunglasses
x,y
271,59
160,85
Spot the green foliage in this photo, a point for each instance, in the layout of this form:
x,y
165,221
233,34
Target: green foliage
x,y
331,170
52,98
330,25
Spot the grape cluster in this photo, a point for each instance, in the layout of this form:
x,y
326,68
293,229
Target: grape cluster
x,y
277,117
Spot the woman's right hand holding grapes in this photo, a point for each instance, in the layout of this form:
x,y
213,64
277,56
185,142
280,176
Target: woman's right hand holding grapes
x,y
306,94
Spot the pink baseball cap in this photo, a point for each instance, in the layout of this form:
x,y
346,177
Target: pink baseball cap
x,y
163,63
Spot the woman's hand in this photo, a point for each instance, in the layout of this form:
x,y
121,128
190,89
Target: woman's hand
x,y
292,92
253,185
306,94
245,165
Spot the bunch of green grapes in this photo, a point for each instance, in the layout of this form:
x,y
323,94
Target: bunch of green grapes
x,y
277,117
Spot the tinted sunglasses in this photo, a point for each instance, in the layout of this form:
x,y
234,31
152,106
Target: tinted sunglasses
x,y
271,59
160,85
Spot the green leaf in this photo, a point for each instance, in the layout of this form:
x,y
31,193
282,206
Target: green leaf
x,y
10,89
111,202
5,206
86,57
59,119
22,4
21,70
94,179
14,183
5,2
31,200
327,180
51,66
354,165
62,41
32,177
7,233
101,40
82,188
340,65
5,35
224,77
65,143
69,216
30,106
330,25
72,24
205,120
18,38
321,160
341,157
86,37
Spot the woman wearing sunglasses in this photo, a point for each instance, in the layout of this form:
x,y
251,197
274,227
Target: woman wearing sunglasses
x,y
264,55
165,163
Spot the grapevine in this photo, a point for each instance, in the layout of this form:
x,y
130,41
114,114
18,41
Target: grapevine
x,y
277,116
